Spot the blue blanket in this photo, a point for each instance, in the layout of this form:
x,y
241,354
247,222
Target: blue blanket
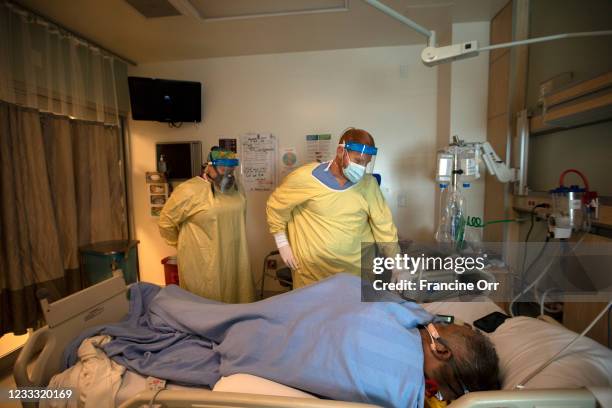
x,y
321,339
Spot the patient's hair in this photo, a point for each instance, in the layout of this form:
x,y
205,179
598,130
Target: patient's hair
x,y
475,359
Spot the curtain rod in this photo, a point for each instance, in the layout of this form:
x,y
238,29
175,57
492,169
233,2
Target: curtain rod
x,y
73,33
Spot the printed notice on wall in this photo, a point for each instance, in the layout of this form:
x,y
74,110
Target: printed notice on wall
x,y
228,144
289,161
157,189
318,148
258,156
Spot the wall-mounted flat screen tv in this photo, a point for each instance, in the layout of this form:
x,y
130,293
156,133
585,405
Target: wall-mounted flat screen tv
x,y
165,100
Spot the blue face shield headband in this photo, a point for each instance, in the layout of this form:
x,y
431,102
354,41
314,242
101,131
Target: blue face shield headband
x,y
226,180
225,162
360,148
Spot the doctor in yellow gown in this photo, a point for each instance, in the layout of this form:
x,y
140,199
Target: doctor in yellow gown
x,y
205,219
322,212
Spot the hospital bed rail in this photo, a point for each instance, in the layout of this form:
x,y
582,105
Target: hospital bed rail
x,y
102,303
578,398
218,399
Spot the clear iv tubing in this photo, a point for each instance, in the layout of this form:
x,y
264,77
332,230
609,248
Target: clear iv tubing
x,y
538,370
544,271
535,288
535,282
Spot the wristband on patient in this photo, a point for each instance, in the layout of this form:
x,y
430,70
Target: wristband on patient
x,y
281,239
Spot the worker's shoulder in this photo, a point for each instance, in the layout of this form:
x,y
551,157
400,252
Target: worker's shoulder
x,y
302,173
308,167
193,185
369,183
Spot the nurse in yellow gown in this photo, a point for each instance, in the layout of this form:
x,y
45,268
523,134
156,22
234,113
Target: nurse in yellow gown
x,y
322,212
205,219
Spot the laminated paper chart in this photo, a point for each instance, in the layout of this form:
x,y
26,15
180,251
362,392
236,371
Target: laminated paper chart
x,y
318,148
157,189
258,157
288,162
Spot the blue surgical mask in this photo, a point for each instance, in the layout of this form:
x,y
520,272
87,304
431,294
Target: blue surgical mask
x,y
354,172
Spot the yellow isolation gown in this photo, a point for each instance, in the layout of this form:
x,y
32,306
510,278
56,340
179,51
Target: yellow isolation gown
x,y
209,232
326,227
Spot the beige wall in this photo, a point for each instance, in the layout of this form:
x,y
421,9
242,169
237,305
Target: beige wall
x,y
292,95
469,96
386,90
588,148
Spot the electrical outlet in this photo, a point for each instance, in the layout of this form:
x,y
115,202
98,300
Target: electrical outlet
x,y
271,264
402,200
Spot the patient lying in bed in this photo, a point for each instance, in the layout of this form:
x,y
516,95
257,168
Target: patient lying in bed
x,y
321,339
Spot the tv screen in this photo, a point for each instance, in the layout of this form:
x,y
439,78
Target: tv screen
x,y
165,100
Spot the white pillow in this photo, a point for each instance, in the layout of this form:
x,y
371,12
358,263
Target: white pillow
x,y
251,384
523,344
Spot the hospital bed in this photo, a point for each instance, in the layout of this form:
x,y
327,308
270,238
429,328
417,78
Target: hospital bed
x,y
107,302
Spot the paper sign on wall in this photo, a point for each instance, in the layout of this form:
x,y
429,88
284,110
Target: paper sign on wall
x,y
289,161
318,148
157,191
228,144
258,156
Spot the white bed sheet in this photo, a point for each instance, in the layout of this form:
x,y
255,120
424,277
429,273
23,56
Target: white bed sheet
x,y
133,383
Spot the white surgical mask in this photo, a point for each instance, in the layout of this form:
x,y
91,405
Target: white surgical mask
x,y
354,172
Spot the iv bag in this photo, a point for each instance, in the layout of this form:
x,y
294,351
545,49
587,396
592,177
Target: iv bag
x,y
445,167
469,159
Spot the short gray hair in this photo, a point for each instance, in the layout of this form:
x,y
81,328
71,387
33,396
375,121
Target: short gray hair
x,y
477,364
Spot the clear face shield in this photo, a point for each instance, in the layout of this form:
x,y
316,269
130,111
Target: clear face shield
x,y
361,155
228,174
